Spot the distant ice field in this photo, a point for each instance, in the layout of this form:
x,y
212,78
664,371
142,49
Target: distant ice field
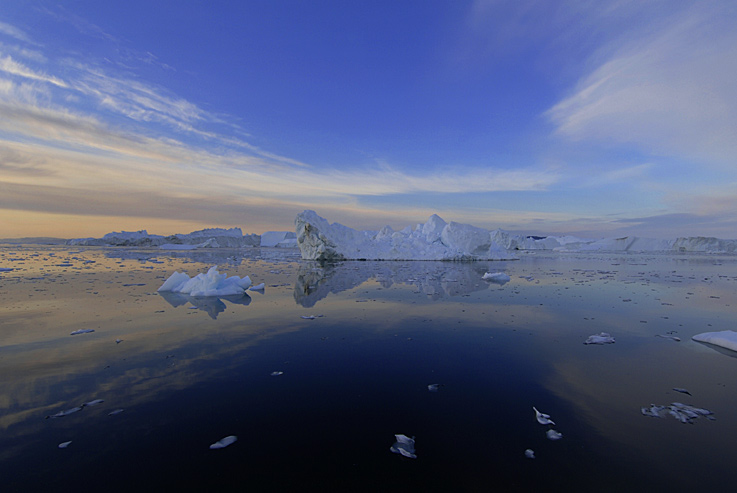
x,y
307,383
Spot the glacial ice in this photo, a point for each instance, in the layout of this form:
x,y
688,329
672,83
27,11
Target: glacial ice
x,y
205,238
279,239
211,284
435,240
725,338
405,446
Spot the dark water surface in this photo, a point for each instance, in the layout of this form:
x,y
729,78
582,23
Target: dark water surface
x,y
189,372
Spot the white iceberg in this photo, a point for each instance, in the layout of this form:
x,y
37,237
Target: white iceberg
x,y
496,277
279,239
405,446
435,240
554,435
211,284
542,418
725,338
224,442
602,338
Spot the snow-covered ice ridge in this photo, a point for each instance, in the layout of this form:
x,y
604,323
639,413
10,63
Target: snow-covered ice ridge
x,y
435,240
205,238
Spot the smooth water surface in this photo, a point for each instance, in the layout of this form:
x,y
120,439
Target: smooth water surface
x,y
316,402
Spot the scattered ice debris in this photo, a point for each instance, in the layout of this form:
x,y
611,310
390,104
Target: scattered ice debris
x,y
682,391
672,338
64,444
311,317
224,442
61,414
684,413
602,338
725,338
405,446
497,277
116,411
258,287
433,387
81,331
211,284
276,373
118,341
554,435
530,454
542,418
93,403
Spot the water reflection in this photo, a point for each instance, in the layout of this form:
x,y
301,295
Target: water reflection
x,y
437,280
213,305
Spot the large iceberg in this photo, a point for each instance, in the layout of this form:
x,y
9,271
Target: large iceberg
x,y
435,240
211,284
725,338
205,238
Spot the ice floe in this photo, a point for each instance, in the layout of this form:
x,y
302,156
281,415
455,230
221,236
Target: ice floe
x,y
81,331
602,338
684,413
725,338
542,418
404,446
554,435
224,442
435,240
496,277
67,412
529,453
211,284
64,444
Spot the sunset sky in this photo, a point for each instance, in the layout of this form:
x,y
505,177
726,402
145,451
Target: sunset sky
x,y
593,118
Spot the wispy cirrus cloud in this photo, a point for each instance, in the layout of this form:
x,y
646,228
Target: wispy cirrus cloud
x,y
15,68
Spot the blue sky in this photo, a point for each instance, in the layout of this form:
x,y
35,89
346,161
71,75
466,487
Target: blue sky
x,y
592,118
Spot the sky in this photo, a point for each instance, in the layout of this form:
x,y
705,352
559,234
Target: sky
x,y
592,118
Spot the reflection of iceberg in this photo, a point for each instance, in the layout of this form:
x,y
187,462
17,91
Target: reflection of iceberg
x,y
436,279
213,305
211,284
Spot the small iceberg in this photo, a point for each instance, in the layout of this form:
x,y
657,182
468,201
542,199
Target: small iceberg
x,y
114,412
433,387
497,277
211,284
725,338
64,444
61,414
530,454
542,418
684,413
224,442
405,446
554,435
602,338
81,331
258,287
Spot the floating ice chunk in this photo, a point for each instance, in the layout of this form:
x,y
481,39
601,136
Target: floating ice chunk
x,y
725,338
496,277
116,411
672,338
64,444
310,317
684,413
61,414
276,373
530,454
93,403
682,391
257,287
602,338
211,284
433,387
542,418
81,331
405,446
224,442
118,341
554,435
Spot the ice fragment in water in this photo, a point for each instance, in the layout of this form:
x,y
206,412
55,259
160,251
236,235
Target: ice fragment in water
x,y
93,403
725,338
542,418
529,453
682,391
554,435
405,446
81,331
257,287
310,317
211,284
113,413
276,373
118,341
496,277
672,338
64,444
433,387
682,412
602,338
61,414
224,442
